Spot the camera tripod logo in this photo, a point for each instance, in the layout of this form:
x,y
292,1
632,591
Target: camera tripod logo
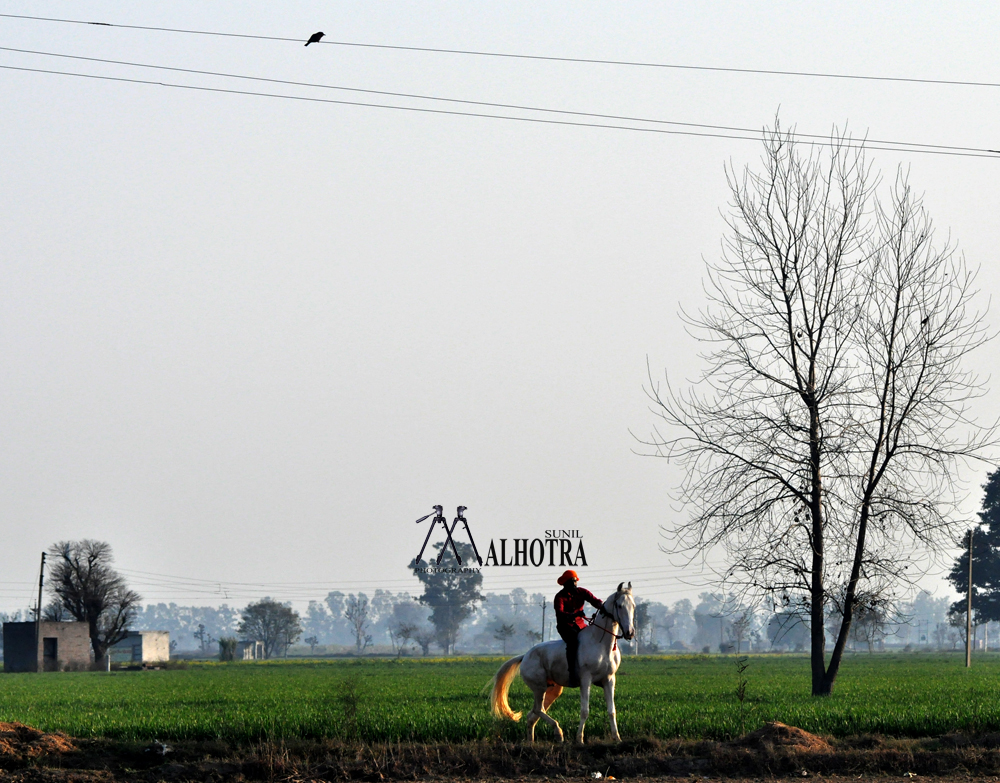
x,y
438,514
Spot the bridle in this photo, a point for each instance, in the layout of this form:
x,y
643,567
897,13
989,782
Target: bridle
x,y
613,614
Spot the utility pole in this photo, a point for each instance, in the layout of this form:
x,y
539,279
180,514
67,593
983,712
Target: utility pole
x,y
38,613
968,611
544,605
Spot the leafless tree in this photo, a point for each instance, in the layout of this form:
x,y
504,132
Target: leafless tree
x,y
204,638
957,619
872,616
740,629
356,612
92,592
872,627
822,442
404,633
502,633
55,612
425,637
788,629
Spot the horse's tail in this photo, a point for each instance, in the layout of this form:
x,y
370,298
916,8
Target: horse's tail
x,y
501,684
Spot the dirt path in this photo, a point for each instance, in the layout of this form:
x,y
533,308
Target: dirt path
x,y
775,752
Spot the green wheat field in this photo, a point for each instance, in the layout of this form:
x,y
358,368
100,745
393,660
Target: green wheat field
x,y
430,700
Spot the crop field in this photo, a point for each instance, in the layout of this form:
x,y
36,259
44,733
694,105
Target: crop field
x,y
421,700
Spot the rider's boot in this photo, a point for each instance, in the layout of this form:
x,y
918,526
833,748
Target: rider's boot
x,y
574,672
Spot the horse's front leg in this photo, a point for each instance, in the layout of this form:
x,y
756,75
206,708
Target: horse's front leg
x,y
609,697
584,703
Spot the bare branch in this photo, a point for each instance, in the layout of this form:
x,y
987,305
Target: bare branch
x,y
823,442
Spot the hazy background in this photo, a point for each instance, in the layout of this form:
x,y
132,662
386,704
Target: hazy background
x,y
248,341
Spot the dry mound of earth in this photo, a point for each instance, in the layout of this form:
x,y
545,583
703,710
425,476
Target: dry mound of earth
x,y
779,735
24,742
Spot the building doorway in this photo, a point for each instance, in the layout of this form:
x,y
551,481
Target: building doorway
x,y
50,654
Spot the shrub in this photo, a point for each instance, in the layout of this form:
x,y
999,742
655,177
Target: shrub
x,y
227,648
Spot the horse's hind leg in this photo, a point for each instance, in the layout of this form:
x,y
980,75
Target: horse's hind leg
x,y
543,700
531,721
555,725
537,711
552,693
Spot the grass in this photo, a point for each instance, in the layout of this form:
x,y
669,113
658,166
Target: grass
x,y
441,700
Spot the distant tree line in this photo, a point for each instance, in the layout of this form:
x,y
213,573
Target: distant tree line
x,y
452,614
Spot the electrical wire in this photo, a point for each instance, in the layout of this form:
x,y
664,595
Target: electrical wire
x,y
650,582
177,587
537,57
590,572
518,107
228,590
992,154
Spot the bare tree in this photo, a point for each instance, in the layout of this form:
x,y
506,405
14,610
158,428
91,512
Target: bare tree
x,y
425,637
92,592
668,624
957,620
205,639
788,630
404,633
822,442
502,633
941,633
872,627
356,611
872,615
740,629
55,612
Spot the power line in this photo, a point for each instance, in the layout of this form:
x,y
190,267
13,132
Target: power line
x,y
538,57
371,105
923,149
590,571
220,588
518,107
649,580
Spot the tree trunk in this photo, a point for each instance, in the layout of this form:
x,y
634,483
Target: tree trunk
x,y
817,590
95,642
849,599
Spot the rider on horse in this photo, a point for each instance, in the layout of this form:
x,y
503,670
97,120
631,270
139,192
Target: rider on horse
x,y
570,619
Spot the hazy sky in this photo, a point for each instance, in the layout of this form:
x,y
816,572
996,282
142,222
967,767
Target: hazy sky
x,y
249,340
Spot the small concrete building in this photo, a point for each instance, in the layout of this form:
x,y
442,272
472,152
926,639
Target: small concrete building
x,y
142,647
247,650
57,647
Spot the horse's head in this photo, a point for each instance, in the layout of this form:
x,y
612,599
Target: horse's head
x,y
624,610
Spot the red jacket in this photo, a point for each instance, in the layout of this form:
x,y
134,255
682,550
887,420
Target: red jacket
x,y
569,606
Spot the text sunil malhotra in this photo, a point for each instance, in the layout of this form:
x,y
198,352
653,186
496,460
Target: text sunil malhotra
x,y
556,549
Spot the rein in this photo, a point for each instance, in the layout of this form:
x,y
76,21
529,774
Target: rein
x,y
592,622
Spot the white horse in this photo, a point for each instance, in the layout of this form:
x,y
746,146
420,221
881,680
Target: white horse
x,y
545,670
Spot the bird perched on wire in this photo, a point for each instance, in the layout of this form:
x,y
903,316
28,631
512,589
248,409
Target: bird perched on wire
x,y
314,38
